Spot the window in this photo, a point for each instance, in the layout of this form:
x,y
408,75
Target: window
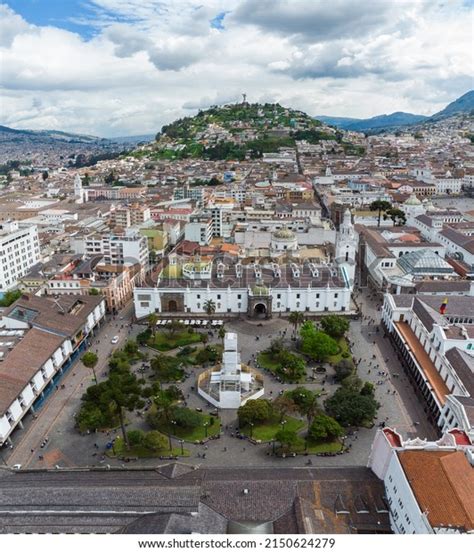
x,y
278,295
218,296
198,296
336,295
297,295
239,296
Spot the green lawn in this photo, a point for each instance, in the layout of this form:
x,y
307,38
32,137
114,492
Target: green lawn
x,y
343,348
164,341
142,452
193,434
267,431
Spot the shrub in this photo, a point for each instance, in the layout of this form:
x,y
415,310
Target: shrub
x,y
135,437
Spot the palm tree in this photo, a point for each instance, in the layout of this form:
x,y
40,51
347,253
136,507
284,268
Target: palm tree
x,y
221,333
296,318
152,319
210,307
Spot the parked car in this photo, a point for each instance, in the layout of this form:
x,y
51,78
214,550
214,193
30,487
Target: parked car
x,y
114,340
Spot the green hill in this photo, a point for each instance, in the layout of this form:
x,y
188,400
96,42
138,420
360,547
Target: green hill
x,y
237,131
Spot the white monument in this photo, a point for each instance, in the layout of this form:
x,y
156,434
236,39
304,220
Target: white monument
x,y
231,384
78,190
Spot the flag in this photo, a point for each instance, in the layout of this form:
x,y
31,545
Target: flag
x,y
444,304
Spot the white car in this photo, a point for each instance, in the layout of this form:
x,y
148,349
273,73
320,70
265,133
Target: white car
x,y
114,339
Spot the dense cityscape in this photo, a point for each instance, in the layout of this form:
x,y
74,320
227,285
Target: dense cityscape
x,y
252,321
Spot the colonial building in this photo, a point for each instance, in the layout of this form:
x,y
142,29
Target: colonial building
x,y
254,290
40,337
435,346
428,485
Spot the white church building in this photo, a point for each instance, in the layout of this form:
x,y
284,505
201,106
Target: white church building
x,y
261,288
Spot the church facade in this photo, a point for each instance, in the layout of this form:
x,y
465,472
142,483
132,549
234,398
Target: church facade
x,y
261,290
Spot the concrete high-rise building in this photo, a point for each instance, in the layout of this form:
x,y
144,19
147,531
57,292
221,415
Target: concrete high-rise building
x,y
19,251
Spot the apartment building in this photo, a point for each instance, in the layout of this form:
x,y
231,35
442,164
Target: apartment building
x,y
19,251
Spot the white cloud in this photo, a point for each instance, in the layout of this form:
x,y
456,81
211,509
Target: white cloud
x,y
150,62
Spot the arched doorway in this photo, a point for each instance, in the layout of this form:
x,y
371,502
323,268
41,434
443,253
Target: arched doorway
x,y
260,310
172,306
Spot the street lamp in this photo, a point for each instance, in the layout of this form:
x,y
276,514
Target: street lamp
x,y
169,435
181,442
273,445
251,430
205,428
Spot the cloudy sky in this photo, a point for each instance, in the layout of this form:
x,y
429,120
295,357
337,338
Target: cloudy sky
x,y
123,67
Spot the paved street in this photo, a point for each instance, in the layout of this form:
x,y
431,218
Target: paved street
x,y
66,447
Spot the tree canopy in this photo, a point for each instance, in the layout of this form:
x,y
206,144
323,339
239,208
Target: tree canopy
x,y
254,411
334,325
351,408
317,344
324,428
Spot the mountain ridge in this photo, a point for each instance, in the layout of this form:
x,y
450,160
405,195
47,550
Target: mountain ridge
x,y
463,104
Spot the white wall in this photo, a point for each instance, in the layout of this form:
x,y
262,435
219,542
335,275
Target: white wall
x,y
405,514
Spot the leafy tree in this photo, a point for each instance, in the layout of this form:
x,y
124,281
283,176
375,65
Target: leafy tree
x,y
276,346
86,180
284,405
207,354
292,367
352,382
91,416
174,327
221,333
135,437
335,326
397,215
288,439
296,319
350,408
254,411
10,297
343,369
131,348
368,389
324,428
317,344
104,404
94,291
380,205
90,360
154,440
45,175
167,368
210,307
306,402
123,392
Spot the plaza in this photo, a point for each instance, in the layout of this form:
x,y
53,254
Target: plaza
x,y
64,446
